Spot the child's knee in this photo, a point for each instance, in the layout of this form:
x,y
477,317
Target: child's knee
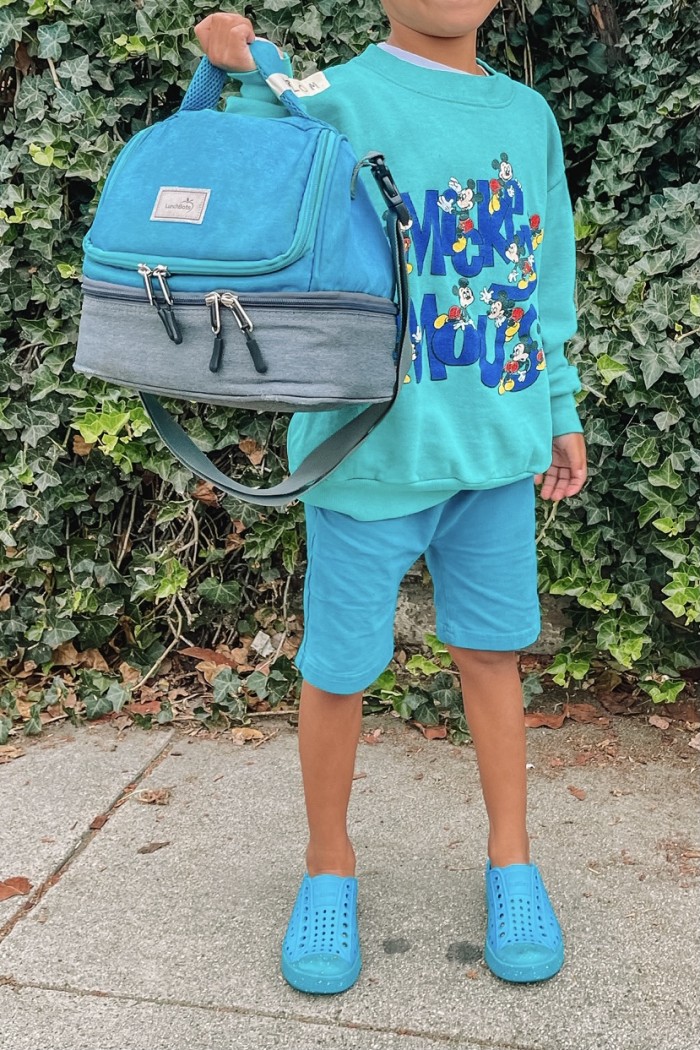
x,y
468,660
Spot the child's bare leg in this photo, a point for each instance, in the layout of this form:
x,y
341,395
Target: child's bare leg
x,y
329,730
493,706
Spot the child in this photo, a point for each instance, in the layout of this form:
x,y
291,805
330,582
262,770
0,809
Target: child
x,y
488,407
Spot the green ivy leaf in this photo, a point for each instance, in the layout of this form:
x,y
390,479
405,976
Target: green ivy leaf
x,y
57,632
419,664
226,595
50,38
610,369
665,475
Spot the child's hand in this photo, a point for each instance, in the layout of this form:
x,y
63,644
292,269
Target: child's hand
x,y
567,474
225,40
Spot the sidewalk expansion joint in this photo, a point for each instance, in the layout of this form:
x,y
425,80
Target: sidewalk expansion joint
x,y
439,1038
94,829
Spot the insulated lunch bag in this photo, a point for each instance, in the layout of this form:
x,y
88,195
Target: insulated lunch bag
x,y
239,260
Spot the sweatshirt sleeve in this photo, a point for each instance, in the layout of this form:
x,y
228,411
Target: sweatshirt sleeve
x,y
556,292
257,98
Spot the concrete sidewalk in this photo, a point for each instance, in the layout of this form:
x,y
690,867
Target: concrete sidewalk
x,y
117,948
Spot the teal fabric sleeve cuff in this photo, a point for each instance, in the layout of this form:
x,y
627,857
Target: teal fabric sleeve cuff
x,y
565,418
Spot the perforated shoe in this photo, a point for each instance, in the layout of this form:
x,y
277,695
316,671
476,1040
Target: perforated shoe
x,y
523,938
321,949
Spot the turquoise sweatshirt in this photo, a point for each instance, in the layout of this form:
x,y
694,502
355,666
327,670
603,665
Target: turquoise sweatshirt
x,y
491,253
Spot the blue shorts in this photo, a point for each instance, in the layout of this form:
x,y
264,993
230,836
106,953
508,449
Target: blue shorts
x,y
479,546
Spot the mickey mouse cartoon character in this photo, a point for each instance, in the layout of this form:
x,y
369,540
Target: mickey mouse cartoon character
x,y
459,200
503,309
523,270
502,183
459,315
520,363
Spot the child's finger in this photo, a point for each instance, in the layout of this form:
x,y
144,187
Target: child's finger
x,y
559,477
577,481
549,483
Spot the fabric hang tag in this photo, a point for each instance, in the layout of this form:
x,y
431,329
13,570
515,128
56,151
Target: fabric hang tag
x,y
313,85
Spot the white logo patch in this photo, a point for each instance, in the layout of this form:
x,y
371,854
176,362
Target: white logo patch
x,y
180,204
313,85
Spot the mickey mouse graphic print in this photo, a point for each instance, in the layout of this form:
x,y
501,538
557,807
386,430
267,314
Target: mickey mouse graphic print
x,y
482,226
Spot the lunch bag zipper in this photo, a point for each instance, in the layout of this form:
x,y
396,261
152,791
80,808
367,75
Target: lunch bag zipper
x,y
244,323
214,300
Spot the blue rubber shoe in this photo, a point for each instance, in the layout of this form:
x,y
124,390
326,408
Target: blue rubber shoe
x,y
321,949
523,938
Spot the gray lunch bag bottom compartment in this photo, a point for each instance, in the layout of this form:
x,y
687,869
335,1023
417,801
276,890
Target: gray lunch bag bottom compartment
x,y
316,359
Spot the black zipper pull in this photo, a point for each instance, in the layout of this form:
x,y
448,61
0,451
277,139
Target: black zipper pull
x,y
255,351
246,326
165,311
217,353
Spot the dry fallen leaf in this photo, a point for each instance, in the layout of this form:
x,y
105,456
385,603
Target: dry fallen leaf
x,y
583,713
243,733
24,708
233,542
579,793
616,702
431,732
94,660
373,737
253,451
533,719
65,655
99,822
695,741
130,675
659,722
8,753
152,847
682,711
80,446
17,886
205,493
155,797
145,707
606,681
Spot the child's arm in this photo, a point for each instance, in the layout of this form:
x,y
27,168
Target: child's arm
x,y
556,284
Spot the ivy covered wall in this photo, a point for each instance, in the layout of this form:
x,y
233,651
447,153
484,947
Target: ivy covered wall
x,y
109,548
